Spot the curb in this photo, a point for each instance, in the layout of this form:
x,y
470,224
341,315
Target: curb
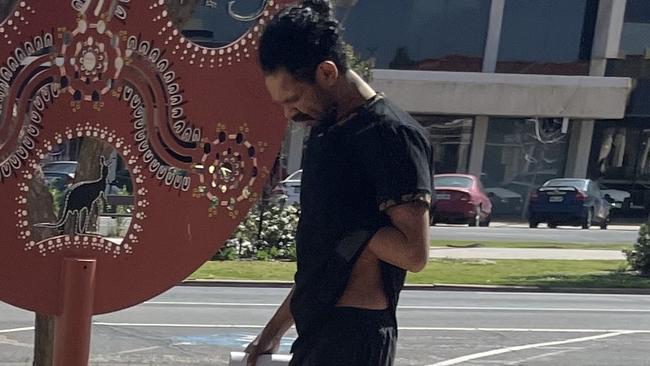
x,y
433,287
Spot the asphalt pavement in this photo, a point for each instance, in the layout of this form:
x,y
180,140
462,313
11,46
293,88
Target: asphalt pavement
x,y
517,232
201,325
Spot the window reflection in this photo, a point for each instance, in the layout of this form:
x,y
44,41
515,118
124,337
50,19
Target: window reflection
x,y
620,159
520,155
621,151
635,39
547,37
214,23
451,138
417,34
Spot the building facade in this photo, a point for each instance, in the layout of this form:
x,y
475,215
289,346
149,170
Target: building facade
x,y
513,91
516,91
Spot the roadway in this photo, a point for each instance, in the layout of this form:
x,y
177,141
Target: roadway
x,y
521,233
201,325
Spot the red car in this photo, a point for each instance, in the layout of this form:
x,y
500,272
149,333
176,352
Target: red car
x,y
460,199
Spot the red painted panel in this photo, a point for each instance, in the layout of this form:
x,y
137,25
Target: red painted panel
x,y
194,126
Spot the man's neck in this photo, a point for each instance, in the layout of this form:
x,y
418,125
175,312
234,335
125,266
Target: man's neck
x,y
354,92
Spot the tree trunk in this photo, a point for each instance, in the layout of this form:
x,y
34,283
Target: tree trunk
x,y
41,210
40,206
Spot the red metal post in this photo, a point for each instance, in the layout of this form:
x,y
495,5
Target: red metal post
x,y
72,326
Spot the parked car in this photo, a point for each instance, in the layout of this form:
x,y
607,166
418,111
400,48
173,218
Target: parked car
x,y
569,201
505,201
68,167
58,180
289,188
460,199
620,199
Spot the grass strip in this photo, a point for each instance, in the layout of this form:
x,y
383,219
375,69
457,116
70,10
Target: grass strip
x,y
545,273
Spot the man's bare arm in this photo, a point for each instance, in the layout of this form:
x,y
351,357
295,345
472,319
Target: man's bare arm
x,y
268,341
405,243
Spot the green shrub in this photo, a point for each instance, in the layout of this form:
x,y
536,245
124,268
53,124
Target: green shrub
x,y
639,256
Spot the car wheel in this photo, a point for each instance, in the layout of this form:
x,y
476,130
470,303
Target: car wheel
x,y
603,225
552,225
533,224
476,220
486,223
627,203
586,224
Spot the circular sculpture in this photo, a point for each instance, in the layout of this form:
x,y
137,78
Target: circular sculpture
x,y
193,125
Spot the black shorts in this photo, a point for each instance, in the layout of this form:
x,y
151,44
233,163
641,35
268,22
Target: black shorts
x,y
352,337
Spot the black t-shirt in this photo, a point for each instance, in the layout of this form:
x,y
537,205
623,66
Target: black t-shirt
x,y
353,171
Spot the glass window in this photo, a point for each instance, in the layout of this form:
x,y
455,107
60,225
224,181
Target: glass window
x,y
547,37
576,183
621,150
417,34
620,161
452,181
635,39
520,155
214,23
451,137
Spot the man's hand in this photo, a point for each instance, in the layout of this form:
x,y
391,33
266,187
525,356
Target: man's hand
x,y
263,344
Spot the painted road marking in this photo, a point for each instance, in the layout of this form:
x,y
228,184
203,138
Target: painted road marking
x,y
138,350
246,326
13,342
154,325
16,330
543,355
499,351
411,307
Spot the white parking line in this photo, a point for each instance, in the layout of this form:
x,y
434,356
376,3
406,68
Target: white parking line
x,y
536,357
499,351
138,350
412,307
16,330
155,325
432,329
219,304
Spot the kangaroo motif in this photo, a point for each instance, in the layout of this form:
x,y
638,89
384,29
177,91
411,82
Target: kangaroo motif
x,y
79,202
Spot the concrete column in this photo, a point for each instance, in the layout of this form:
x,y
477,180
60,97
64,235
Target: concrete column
x,y
607,40
479,138
491,53
579,149
490,57
609,26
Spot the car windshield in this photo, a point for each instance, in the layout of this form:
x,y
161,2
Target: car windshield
x,y
575,183
69,168
295,176
452,181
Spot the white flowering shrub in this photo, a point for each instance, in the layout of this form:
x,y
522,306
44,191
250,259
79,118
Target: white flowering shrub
x,y
267,233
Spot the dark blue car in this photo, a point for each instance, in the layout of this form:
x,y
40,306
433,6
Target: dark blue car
x,y
569,201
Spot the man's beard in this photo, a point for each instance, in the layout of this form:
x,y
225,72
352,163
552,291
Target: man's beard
x,y
327,118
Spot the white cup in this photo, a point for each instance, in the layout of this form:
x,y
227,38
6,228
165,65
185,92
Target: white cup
x,y
239,359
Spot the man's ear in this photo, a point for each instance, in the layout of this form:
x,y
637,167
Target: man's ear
x,y
327,74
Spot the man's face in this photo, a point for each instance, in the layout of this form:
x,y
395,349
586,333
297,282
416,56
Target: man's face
x,y
300,101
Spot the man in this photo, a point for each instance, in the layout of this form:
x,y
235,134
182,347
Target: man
x,y
366,192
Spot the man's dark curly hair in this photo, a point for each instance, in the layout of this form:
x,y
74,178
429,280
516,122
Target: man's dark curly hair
x,y
299,38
